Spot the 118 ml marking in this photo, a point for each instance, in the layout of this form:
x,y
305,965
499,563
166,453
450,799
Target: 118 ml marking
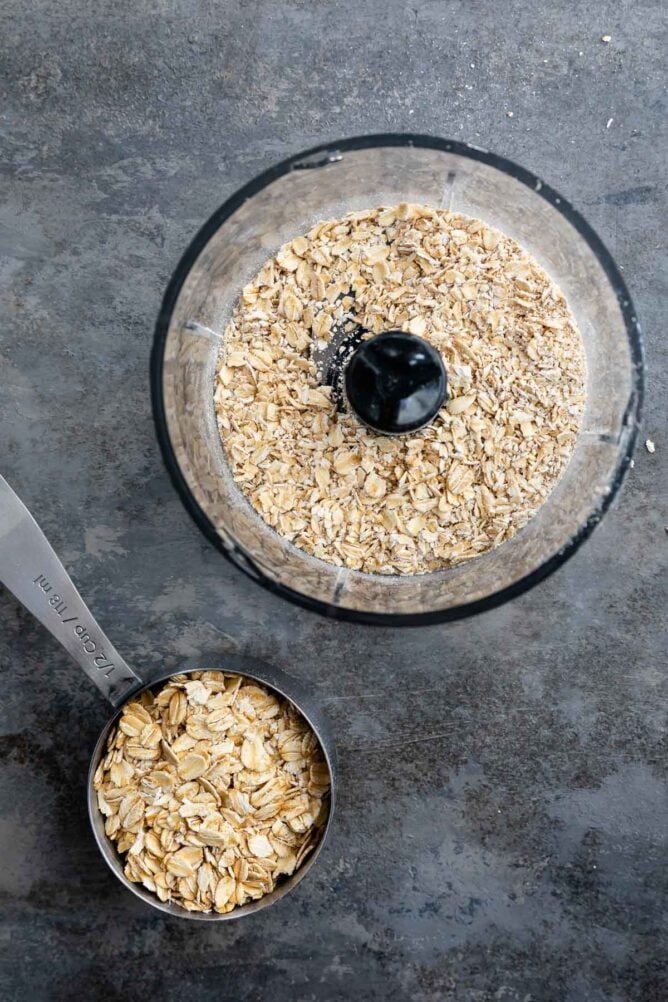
x,y
89,645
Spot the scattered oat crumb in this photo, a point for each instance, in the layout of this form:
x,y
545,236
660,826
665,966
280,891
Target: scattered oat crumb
x,y
509,114
606,38
649,445
212,788
632,463
609,123
455,489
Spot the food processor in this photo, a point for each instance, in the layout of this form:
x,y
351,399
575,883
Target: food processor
x,y
328,182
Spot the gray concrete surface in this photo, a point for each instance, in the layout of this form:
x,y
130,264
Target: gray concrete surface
x,y
503,815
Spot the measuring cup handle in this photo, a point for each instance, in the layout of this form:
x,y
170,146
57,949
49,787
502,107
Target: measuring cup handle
x,y
31,570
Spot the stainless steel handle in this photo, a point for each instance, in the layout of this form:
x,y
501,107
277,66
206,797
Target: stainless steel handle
x,y
31,570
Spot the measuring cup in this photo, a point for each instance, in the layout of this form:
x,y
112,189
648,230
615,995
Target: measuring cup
x,y
31,570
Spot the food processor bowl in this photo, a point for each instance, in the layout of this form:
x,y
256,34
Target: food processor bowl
x,y
327,182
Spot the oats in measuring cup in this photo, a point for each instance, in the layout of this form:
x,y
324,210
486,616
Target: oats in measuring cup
x,y
458,487
213,789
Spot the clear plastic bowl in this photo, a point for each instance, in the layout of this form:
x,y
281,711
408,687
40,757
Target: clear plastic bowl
x,y
329,181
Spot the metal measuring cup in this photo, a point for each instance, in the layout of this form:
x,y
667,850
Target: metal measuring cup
x,y
30,569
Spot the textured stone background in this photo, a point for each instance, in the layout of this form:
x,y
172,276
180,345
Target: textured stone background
x,y
503,808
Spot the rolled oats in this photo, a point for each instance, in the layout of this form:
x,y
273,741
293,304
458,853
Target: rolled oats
x,y
480,470
232,797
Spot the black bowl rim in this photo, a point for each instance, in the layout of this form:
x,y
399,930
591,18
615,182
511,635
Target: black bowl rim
x,y
320,156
